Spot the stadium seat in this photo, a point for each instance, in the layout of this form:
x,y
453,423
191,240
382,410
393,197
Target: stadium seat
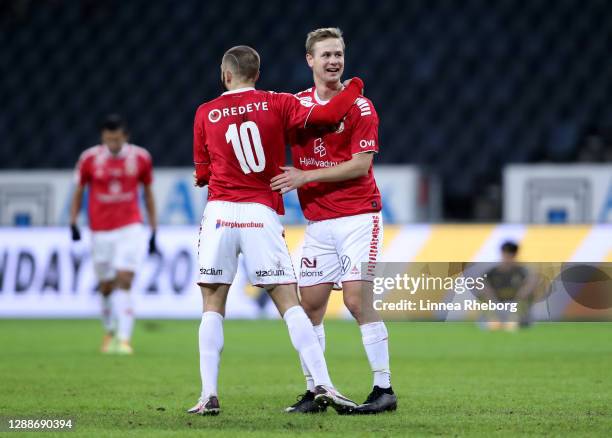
x,y
449,79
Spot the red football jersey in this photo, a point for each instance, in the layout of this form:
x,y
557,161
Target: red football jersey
x,y
242,134
316,147
113,184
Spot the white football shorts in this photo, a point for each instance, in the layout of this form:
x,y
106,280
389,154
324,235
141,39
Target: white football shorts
x,y
338,250
231,228
121,249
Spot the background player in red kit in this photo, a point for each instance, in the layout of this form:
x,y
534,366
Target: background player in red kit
x,y
239,145
113,171
339,197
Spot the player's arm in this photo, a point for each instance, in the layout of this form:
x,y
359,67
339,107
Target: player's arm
x,y
336,108
490,291
363,145
82,177
146,179
297,114
149,200
201,158
150,206
528,287
293,178
75,208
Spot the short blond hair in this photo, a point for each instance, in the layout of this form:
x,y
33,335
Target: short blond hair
x,y
322,34
243,61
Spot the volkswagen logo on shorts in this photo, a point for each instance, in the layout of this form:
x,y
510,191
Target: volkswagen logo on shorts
x,y
345,261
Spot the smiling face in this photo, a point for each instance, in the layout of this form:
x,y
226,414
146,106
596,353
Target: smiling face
x,y
327,60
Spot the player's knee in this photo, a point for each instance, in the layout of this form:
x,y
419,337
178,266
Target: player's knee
x,y
124,284
214,297
315,311
124,280
308,307
353,304
106,287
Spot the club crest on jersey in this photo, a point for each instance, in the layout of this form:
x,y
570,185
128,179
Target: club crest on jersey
x,y
319,147
99,160
131,165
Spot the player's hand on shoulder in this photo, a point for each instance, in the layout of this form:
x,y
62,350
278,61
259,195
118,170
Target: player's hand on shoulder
x,y
290,179
359,82
75,232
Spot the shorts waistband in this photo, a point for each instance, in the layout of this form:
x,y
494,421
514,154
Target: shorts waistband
x,y
374,213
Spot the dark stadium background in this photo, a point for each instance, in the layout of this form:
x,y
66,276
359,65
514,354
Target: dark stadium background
x,y
461,87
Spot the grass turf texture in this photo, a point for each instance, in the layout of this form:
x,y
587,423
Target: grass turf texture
x,y
451,379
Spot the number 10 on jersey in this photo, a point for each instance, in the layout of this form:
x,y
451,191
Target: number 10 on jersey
x,y
247,146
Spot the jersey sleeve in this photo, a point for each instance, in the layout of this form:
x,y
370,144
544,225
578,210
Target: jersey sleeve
x,y
201,158
336,109
294,112
82,171
146,172
364,137
298,113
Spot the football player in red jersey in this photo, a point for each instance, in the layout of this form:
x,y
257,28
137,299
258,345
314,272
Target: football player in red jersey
x,y
114,170
239,145
339,197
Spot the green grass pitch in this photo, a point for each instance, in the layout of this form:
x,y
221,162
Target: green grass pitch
x,y
451,379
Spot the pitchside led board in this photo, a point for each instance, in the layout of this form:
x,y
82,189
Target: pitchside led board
x,y
44,274
42,198
558,194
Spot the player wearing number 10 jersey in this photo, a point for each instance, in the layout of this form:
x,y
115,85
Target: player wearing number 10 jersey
x,y
240,140
239,145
